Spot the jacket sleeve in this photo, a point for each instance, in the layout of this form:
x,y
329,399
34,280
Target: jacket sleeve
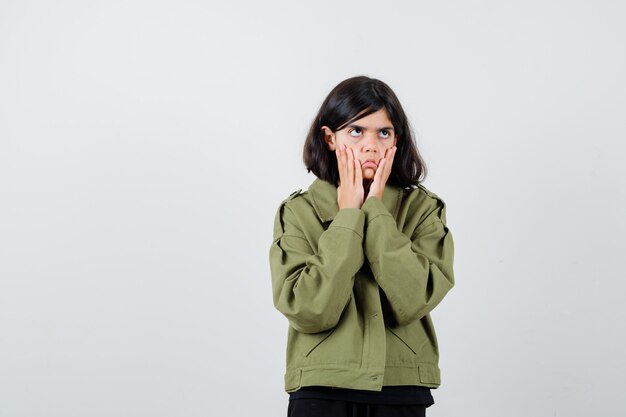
x,y
312,287
414,273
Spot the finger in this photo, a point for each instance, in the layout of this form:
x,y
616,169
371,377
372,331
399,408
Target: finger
x,y
392,155
341,165
338,162
358,172
350,170
386,165
378,175
356,166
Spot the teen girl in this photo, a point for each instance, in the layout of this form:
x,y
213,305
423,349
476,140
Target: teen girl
x,y
358,261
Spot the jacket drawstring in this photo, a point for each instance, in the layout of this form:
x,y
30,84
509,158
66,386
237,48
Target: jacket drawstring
x,y
353,409
368,411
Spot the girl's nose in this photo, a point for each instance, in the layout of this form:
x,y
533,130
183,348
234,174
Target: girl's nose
x,y
370,143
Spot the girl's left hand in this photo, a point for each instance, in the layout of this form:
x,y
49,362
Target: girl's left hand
x,y
382,174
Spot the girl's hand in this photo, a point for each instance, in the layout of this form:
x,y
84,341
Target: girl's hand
x,y
350,192
377,187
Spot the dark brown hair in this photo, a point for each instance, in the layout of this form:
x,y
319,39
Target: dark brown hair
x,y
353,99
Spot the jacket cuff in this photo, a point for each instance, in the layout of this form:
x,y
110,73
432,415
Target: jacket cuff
x,y
374,207
350,218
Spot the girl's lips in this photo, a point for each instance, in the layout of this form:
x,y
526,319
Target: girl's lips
x,y
370,164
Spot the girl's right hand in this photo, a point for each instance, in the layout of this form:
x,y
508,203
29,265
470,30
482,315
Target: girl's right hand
x,y
350,192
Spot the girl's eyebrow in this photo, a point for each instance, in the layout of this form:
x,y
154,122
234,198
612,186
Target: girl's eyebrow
x,y
363,128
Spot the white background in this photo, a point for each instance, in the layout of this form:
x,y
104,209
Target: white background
x,y
145,147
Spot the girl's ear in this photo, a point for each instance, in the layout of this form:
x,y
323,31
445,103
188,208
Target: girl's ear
x,y
329,138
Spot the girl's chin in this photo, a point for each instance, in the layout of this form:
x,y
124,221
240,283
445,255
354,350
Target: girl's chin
x,y
368,173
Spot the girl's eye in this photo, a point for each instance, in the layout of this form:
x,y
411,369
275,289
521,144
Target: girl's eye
x,y
384,133
354,130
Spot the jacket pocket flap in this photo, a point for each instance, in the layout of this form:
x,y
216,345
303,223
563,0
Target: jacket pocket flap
x,y
429,374
292,379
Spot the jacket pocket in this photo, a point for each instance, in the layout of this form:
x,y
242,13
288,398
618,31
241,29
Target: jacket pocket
x,y
408,345
412,336
319,338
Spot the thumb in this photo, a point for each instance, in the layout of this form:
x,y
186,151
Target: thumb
x,y
379,172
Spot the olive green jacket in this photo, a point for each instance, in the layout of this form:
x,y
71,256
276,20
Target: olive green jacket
x,y
357,286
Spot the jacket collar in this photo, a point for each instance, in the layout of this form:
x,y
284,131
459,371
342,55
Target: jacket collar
x,y
324,196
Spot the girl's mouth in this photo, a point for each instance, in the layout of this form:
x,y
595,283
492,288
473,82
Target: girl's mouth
x,y
369,164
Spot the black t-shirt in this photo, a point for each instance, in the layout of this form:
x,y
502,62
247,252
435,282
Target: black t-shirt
x,y
400,394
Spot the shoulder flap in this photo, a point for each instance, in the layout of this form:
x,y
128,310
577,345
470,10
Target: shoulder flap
x,y
278,223
435,196
294,194
430,193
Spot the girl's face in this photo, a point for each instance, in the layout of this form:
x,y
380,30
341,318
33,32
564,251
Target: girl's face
x,y
368,137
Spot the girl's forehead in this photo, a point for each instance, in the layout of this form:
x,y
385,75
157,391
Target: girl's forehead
x,y
377,118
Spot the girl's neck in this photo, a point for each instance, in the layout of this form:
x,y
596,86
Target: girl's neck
x,y
366,186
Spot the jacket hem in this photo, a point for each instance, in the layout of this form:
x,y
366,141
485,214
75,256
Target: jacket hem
x,y
372,379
